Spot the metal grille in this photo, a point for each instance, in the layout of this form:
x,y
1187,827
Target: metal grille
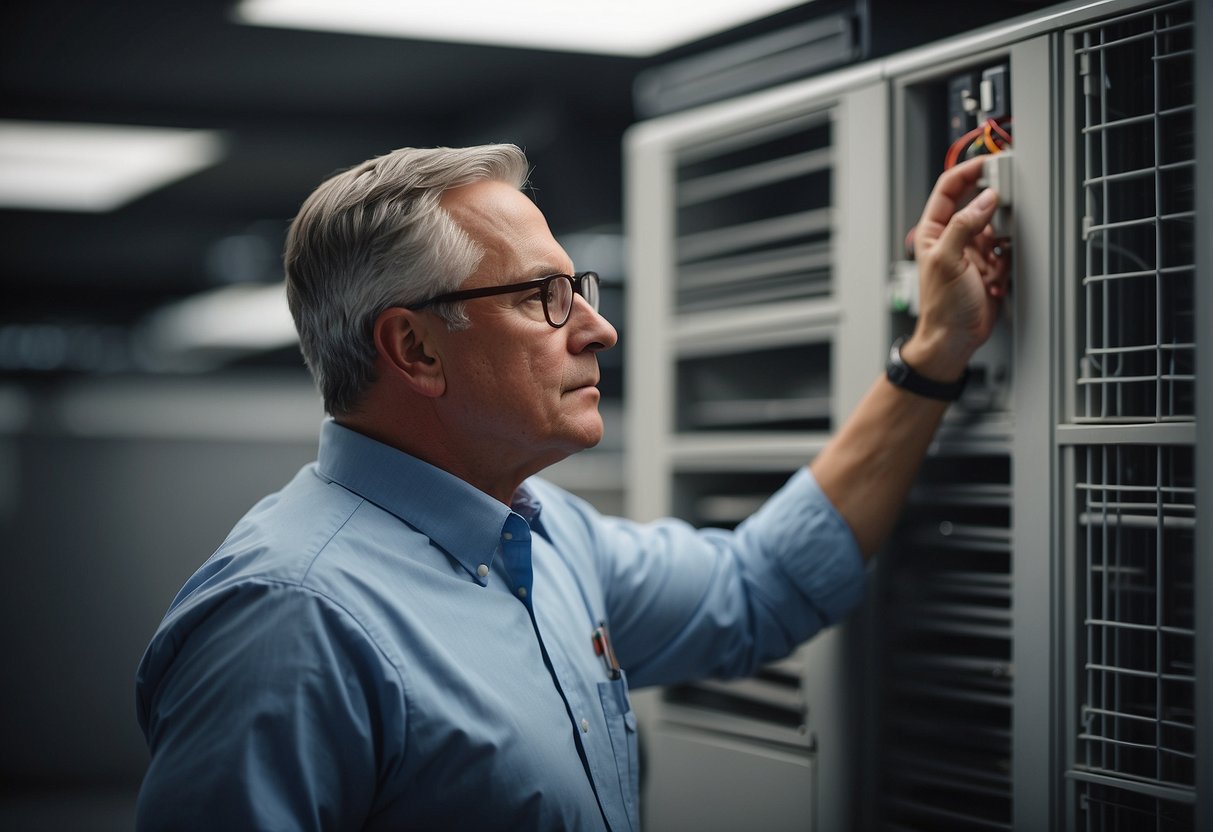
x,y
1138,152
948,610
1133,764
1108,807
1137,519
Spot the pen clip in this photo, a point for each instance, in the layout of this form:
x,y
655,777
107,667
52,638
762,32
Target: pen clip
x,y
603,649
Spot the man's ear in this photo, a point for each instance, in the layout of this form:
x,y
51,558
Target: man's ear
x,y
405,347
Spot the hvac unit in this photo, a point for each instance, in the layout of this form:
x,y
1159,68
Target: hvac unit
x,y
1030,656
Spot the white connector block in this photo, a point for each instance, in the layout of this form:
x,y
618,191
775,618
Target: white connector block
x,y
996,174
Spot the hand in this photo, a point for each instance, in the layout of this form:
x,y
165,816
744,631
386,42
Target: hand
x,y
962,281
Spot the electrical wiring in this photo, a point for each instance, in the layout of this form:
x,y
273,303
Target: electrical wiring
x,y
987,138
990,137
996,126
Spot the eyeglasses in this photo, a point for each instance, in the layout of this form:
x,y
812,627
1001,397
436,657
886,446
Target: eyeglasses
x,y
556,291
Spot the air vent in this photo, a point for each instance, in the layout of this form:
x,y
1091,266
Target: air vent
x,y
768,706
1138,282
722,499
775,389
948,614
756,63
753,216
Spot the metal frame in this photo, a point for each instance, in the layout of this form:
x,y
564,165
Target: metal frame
x,y
1037,174
1204,411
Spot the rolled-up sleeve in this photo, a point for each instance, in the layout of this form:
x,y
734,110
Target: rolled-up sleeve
x,y
687,603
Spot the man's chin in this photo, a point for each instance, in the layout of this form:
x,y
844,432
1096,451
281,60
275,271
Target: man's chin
x,y
594,436
589,432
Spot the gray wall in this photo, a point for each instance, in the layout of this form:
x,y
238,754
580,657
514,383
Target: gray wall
x,y
112,493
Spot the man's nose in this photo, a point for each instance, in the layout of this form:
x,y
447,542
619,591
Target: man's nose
x,y
593,331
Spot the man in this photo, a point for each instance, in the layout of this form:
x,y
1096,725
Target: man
x,y
415,633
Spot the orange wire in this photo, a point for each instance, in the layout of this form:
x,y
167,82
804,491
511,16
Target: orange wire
x,y
988,138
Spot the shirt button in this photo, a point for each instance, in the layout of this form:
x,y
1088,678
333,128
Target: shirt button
x,y
482,570
508,535
522,592
585,726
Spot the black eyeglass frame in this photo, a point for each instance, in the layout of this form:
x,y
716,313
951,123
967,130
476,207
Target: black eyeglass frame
x,y
577,282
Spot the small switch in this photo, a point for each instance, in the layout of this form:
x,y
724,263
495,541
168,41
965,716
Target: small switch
x,y
995,99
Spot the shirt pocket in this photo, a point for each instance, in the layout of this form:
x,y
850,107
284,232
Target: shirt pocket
x,y
621,726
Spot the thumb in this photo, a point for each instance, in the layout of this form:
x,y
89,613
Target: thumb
x,y
968,222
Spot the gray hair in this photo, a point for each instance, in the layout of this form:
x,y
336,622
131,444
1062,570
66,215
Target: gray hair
x,y
373,237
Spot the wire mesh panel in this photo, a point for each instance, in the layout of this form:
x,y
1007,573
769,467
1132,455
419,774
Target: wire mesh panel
x,y
1133,721
1138,168
1109,807
1137,539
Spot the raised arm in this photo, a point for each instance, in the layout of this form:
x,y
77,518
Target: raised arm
x,y
867,468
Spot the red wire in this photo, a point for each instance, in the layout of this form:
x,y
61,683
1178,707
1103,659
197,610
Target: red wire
x,y
964,141
996,126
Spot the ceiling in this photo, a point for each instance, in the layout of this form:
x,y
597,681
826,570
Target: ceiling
x,y
293,107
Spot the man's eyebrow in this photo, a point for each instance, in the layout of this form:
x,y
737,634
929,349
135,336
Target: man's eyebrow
x,y
547,271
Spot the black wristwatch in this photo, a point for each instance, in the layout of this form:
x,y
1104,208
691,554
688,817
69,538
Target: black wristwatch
x,y
903,376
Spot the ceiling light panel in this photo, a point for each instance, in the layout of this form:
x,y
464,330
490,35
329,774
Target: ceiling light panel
x,y
58,166
621,27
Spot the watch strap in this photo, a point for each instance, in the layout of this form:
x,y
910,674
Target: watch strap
x,y
903,375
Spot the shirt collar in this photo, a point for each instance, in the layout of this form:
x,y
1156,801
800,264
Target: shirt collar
x,y
527,505
464,521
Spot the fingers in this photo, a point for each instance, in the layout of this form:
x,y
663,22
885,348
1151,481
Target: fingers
x,y
949,242
966,227
992,266
998,280
951,187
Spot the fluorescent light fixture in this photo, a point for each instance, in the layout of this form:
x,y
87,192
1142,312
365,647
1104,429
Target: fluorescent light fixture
x,y
208,329
614,27
55,166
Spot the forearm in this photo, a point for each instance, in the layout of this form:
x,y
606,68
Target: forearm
x,y
868,467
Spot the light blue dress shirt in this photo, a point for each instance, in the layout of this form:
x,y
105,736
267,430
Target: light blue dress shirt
x,y
380,646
